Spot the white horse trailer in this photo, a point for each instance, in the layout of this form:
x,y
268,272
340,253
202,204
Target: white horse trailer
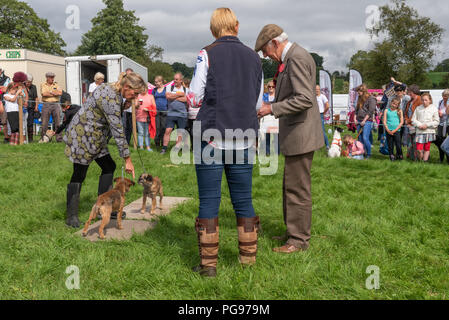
x,y
80,72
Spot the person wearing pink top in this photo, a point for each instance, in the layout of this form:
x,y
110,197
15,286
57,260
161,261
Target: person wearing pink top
x,y
355,148
145,117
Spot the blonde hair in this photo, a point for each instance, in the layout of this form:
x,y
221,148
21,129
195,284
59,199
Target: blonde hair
x,y
98,75
347,139
132,80
223,21
427,94
160,78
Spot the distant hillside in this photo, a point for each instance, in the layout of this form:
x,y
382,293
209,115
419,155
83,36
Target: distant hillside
x,y
437,80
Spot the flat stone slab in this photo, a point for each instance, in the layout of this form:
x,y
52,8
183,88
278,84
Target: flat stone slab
x,y
135,222
168,204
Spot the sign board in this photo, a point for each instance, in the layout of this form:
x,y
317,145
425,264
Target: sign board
x,y
12,54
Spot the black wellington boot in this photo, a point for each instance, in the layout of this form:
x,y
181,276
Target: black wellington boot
x,y
105,183
73,199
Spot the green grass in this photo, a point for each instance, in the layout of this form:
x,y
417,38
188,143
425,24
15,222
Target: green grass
x,y
393,215
436,77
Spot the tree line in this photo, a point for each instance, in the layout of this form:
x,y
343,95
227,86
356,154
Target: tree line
x,y
404,44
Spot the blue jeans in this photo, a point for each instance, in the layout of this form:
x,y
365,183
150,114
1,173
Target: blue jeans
x,y
326,141
239,177
142,128
366,137
357,157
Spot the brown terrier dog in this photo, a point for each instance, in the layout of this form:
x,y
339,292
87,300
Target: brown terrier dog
x,y
152,187
113,200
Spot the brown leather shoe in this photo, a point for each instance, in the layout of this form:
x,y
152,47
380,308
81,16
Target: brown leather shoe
x,y
287,248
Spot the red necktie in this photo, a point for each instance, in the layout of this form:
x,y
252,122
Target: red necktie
x,y
281,68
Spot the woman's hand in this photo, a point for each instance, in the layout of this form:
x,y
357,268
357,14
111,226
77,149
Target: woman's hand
x,y
423,127
129,167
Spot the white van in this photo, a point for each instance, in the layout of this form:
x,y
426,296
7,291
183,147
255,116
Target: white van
x,y
80,72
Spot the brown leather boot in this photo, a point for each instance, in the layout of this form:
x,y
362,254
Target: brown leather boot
x,y
207,231
248,229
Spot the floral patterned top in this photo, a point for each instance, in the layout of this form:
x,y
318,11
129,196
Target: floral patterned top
x,y
96,122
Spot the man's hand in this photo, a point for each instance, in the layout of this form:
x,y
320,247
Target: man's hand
x,y
265,110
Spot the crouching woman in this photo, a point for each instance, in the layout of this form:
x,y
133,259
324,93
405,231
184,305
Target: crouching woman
x,y
88,135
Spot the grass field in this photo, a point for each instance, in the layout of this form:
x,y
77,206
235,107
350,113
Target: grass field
x,y
436,77
375,212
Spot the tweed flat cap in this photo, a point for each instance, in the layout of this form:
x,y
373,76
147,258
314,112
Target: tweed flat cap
x,y
269,32
50,74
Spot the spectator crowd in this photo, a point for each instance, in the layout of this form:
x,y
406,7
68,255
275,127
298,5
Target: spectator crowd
x,y
405,118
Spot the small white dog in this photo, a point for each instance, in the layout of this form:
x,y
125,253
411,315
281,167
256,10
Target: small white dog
x,y
335,149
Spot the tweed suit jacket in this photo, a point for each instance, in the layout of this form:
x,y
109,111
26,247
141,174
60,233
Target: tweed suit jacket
x,y
296,106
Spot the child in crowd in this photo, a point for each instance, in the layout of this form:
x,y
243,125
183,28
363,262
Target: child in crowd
x,y
393,120
426,120
12,111
146,119
355,148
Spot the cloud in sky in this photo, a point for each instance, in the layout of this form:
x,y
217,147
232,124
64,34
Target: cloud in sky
x,y
333,29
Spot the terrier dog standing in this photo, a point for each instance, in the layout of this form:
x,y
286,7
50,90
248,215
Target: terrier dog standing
x,y
152,187
335,149
113,200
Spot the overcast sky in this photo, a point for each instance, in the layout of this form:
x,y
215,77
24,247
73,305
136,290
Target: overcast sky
x,y
334,29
